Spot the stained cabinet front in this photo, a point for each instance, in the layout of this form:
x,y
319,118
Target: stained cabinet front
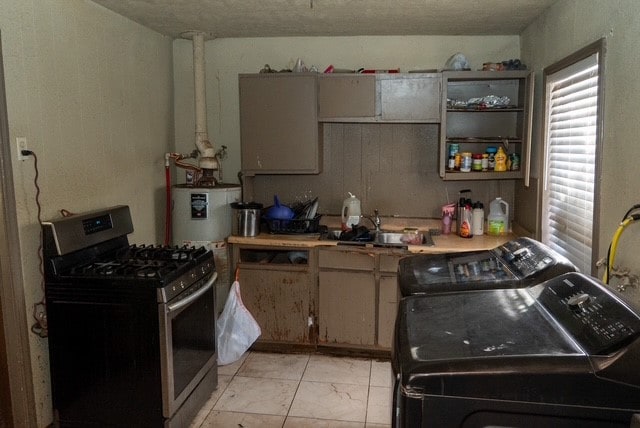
x,y
277,289
358,297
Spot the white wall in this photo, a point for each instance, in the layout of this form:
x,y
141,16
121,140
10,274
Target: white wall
x,y
565,28
226,58
93,94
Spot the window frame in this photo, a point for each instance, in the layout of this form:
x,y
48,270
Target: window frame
x,y
599,48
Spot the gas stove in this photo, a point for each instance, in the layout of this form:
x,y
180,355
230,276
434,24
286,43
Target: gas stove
x,y
99,256
159,263
129,325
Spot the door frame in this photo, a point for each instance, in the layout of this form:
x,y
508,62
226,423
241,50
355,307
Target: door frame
x,y
16,367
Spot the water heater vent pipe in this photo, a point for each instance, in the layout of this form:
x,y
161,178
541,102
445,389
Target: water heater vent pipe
x,y
207,159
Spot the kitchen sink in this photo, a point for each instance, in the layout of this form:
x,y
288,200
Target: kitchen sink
x,y
390,238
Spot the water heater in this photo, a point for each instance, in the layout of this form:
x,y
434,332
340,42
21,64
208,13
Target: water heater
x,y
202,215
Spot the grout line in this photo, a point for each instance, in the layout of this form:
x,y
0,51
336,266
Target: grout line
x,y
296,392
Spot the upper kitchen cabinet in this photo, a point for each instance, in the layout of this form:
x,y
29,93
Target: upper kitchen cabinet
x,y
279,124
486,109
388,98
344,96
412,97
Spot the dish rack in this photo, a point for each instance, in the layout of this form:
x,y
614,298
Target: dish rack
x,y
293,226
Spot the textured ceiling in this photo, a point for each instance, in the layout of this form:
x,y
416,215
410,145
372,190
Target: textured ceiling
x,y
281,18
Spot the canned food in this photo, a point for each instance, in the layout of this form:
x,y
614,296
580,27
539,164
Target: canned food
x,y
476,164
515,162
485,162
465,166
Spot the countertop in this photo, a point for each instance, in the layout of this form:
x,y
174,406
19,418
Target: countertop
x,y
443,243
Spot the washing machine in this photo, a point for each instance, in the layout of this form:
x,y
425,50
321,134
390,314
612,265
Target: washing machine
x,y
564,353
518,263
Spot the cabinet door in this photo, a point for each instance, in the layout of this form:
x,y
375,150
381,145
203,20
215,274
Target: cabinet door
x,y
347,307
387,309
279,301
410,98
346,96
278,124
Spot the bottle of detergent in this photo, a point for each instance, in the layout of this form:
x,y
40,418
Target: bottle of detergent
x,y
350,212
498,219
501,161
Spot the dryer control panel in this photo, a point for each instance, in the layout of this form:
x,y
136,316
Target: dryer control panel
x,y
598,320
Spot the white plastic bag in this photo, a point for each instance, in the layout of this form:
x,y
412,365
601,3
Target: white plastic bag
x,y
236,328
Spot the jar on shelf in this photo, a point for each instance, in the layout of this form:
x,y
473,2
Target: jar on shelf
x,y
491,153
465,165
453,149
515,161
485,162
476,162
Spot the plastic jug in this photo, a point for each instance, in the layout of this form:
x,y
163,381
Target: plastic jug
x,y
498,219
350,212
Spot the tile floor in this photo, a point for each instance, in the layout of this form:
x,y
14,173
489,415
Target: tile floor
x,y
292,390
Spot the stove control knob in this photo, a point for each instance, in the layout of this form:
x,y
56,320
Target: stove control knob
x,y
579,301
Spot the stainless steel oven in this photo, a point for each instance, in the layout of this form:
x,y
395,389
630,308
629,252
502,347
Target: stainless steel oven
x,y
188,349
131,328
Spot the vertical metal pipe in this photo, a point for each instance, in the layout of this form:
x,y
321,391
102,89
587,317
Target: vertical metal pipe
x,y
199,88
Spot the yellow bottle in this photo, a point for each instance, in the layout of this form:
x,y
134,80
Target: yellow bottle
x,y
501,160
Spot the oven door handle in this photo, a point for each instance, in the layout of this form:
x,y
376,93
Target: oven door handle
x,y
184,302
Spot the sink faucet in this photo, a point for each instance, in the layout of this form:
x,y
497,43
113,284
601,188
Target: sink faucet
x,y
375,219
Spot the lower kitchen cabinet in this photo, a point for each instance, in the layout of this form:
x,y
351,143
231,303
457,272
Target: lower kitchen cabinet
x,y
278,288
347,307
358,295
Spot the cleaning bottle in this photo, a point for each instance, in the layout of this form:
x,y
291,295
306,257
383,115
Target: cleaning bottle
x,y
350,212
501,160
478,219
498,219
466,221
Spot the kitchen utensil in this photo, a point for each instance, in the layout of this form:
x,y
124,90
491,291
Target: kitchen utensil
x,y
279,211
313,209
247,218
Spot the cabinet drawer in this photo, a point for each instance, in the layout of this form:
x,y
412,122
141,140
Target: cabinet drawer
x,y
346,260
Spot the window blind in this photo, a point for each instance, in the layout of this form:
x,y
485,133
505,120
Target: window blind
x,y
571,131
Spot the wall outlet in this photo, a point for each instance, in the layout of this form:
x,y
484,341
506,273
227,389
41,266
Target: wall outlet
x,y
21,143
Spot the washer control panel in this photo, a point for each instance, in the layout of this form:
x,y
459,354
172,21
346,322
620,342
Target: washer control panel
x,y
598,320
525,257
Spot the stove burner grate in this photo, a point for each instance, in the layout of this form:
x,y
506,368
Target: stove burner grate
x,y
141,262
